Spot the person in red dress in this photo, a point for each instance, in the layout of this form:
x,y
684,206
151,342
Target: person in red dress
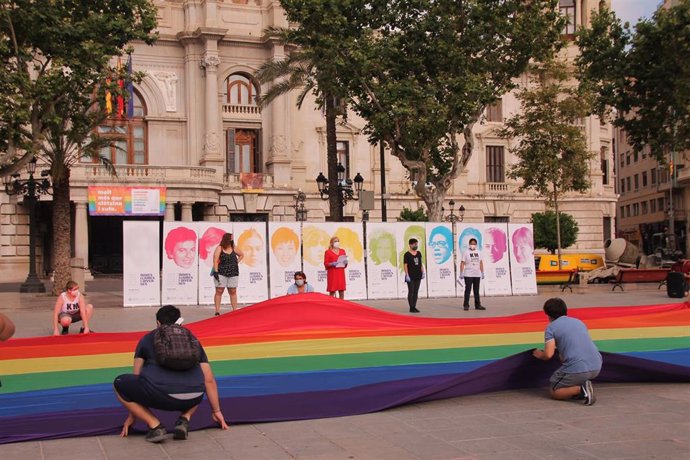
x,y
335,261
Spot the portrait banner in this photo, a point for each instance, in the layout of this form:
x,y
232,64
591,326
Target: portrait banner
x,y
403,232
496,259
315,239
440,262
382,262
522,270
464,233
284,255
180,266
351,239
210,234
250,239
141,270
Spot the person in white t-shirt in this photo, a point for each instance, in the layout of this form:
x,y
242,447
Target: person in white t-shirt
x,y
472,270
70,307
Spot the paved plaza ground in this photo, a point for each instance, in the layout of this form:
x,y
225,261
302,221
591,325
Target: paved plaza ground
x,y
632,421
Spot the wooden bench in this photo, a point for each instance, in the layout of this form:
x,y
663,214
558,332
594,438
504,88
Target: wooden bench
x,y
640,275
564,278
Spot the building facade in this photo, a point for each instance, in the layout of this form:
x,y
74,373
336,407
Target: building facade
x,y
197,131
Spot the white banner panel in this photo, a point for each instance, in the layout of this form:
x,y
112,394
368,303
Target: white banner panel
x,y
179,263
284,255
210,234
352,241
315,240
440,270
522,270
465,232
141,256
250,238
382,261
496,259
403,232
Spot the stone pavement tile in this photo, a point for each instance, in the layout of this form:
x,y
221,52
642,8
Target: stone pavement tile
x,y
132,447
248,442
510,455
560,453
338,427
533,441
298,439
482,447
373,448
21,451
480,432
382,423
72,448
666,449
425,446
198,445
652,431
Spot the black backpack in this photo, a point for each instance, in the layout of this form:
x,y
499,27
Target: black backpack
x,y
176,347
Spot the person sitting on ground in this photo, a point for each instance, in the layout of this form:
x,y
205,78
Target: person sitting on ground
x,y
578,353
6,327
300,286
70,308
151,385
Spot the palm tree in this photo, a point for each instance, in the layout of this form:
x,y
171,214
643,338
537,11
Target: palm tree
x,y
299,71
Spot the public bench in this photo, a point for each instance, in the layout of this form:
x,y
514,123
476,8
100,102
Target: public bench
x,y
564,278
640,275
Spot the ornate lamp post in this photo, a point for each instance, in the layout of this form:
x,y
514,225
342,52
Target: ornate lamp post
x,y
300,210
31,189
452,217
348,188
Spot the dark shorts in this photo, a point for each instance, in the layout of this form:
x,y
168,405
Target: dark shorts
x,y
76,317
561,379
138,389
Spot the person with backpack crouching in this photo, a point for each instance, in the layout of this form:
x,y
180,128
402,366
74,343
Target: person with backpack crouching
x,y
171,372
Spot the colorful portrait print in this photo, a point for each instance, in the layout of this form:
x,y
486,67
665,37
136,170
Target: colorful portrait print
x,y
466,235
418,233
180,247
315,241
382,247
208,243
523,245
251,244
440,244
285,246
351,243
495,243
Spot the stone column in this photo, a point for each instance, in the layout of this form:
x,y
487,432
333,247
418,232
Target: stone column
x,y
186,212
212,138
169,212
81,237
278,153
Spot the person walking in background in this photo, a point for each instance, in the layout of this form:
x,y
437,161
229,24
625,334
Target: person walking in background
x,y
335,261
580,358
300,286
226,271
70,308
472,270
414,273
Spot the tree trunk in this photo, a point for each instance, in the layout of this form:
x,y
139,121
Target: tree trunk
x,y
335,197
558,227
62,233
434,202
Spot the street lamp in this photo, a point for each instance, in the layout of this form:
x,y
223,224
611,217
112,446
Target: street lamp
x,y
345,186
32,189
300,210
452,217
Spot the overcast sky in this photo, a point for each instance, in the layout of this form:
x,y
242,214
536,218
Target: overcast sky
x,y
633,10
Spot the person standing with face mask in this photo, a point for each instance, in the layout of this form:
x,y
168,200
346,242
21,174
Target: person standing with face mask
x,y
472,269
414,273
335,261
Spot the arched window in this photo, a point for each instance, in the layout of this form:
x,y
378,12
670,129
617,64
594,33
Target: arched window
x,y
241,90
129,136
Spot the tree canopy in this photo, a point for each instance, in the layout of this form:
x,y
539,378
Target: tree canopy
x,y
421,73
643,74
544,224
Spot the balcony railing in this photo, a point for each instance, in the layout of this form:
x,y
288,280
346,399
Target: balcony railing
x,y
147,174
498,188
241,112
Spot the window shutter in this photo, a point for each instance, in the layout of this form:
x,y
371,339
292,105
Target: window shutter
x,y
258,152
230,152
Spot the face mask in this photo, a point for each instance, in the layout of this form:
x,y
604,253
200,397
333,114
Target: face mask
x,y
414,247
299,282
336,245
473,248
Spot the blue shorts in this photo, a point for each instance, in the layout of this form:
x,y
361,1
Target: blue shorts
x,y
138,389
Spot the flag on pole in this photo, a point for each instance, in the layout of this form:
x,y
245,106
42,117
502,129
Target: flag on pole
x,y
120,97
130,88
108,98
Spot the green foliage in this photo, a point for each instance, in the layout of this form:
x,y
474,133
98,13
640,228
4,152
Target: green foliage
x,y
551,151
644,74
545,230
421,73
408,215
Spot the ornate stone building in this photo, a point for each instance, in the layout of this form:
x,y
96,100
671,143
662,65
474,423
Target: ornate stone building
x,y
196,130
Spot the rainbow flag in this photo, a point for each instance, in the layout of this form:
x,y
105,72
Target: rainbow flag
x,y
312,356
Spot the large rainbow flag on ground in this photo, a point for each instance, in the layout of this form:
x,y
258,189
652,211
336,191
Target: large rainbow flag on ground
x,y
312,356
